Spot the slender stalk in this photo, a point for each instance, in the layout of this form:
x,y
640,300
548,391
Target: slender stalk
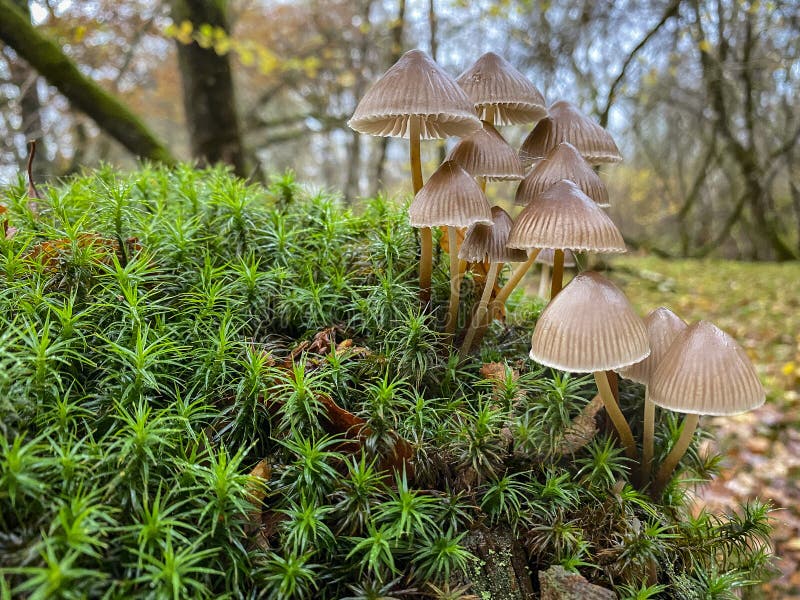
x,y
647,437
455,281
558,274
490,110
482,183
678,450
480,312
516,277
617,418
504,293
425,235
544,281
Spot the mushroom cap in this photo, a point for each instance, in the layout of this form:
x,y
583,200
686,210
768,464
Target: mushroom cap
x,y
493,81
546,256
489,241
589,326
706,372
450,197
663,326
415,86
567,124
486,154
562,162
563,217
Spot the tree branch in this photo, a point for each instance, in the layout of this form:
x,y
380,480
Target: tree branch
x,y
110,114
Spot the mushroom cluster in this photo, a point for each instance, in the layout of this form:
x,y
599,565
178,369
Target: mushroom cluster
x,y
589,327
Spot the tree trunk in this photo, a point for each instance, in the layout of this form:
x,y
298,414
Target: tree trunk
x,y
208,97
394,56
110,114
25,78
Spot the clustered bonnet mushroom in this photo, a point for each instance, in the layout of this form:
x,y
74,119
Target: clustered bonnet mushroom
x,y
590,327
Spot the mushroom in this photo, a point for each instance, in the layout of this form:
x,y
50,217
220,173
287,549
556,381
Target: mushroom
x,y
417,99
591,328
452,198
562,162
663,326
567,124
485,154
487,242
500,93
545,258
704,372
564,218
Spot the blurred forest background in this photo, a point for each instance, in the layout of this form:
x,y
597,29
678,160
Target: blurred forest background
x,y
701,96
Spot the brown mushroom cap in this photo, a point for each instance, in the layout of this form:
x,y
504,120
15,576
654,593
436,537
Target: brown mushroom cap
x,y
450,197
489,241
486,154
415,86
706,372
493,81
546,255
562,162
663,326
563,217
567,124
589,326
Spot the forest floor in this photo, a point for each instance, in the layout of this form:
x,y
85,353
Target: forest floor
x,y
759,304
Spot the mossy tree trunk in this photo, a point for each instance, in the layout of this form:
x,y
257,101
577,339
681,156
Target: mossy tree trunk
x,y
208,94
110,114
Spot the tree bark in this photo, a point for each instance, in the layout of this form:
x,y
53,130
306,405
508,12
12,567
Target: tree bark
x,y
208,94
397,51
110,114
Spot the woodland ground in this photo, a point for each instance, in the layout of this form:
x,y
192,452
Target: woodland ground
x,y
759,304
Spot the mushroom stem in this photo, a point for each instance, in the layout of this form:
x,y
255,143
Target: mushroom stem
x,y
647,437
482,183
489,116
617,418
544,281
678,450
516,277
504,293
425,235
558,273
455,281
480,312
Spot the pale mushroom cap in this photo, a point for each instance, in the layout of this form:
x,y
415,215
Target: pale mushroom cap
x,y
589,326
567,124
450,197
486,154
489,241
493,81
415,86
706,372
663,326
563,217
562,162
546,256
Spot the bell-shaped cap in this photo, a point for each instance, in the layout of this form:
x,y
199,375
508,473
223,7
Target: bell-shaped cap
x,y
450,197
563,217
489,241
663,326
562,162
493,82
486,154
415,86
567,124
546,256
589,326
706,372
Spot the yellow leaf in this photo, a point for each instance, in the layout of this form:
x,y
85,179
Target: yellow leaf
x,y
705,46
80,33
788,368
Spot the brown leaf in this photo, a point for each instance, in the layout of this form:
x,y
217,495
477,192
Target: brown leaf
x,y
582,429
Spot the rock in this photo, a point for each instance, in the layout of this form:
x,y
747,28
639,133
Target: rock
x,y
559,584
